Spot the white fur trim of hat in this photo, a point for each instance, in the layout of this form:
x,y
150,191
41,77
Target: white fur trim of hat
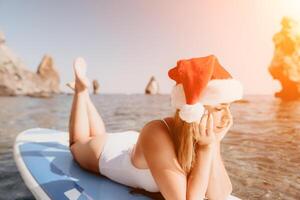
x,y
217,91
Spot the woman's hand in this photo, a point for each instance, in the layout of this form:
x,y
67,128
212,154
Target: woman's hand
x,y
225,124
207,135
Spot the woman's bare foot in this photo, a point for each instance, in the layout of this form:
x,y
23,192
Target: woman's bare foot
x,y
81,81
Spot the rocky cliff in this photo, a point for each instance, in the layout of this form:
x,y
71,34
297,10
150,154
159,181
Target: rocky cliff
x,y
152,86
16,79
285,66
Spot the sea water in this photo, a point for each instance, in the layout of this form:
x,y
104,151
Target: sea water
x,y
261,151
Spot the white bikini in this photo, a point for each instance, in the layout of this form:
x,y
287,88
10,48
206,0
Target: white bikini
x,y
115,162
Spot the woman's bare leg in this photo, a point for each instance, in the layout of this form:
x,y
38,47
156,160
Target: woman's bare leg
x,y
85,149
71,122
97,126
79,128
96,123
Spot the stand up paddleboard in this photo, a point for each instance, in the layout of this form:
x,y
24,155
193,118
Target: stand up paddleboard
x,y
49,171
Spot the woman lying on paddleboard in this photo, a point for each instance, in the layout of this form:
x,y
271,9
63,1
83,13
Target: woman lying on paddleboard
x,y
178,156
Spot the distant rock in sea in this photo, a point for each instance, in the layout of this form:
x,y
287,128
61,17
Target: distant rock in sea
x,y
152,86
16,79
95,87
285,66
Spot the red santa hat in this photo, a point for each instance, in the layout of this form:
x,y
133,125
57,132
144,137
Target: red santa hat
x,y
201,81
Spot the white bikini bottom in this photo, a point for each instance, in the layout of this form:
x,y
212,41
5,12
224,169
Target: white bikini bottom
x,y
115,162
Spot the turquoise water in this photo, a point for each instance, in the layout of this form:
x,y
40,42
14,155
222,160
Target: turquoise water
x,y
261,151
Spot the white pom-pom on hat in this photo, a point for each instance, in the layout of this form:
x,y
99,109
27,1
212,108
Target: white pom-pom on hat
x,y
191,113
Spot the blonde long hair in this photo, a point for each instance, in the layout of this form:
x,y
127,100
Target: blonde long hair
x,y
185,137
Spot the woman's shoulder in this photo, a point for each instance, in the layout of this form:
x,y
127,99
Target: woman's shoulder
x,y
159,124
158,129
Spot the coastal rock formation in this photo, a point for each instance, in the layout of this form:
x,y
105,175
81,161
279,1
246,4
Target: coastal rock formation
x,y
16,79
285,66
152,87
95,87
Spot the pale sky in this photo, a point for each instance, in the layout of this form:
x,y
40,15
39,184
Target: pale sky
x,y
127,41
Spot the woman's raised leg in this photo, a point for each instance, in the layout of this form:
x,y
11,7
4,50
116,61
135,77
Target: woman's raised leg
x,y
79,129
86,149
96,123
97,126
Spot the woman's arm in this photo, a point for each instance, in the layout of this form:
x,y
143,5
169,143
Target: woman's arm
x,y
158,148
219,186
198,178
